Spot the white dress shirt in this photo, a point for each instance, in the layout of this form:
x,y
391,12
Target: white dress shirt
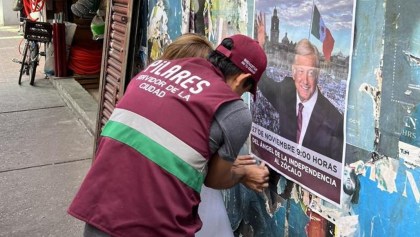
x,y
308,107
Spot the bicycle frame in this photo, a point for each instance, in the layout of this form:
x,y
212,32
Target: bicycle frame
x,y
30,61
34,33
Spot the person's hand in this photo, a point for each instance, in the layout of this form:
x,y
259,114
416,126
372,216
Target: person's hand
x,y
260,29
255,176
244,160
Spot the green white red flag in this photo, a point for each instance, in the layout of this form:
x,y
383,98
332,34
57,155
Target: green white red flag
x,y
321,32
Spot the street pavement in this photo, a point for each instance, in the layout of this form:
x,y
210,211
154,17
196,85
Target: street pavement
x,y
46,145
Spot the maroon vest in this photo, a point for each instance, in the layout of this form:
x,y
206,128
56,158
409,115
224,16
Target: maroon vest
x,y
127,192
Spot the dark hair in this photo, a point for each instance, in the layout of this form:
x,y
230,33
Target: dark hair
x,y
249,82
354,192
220,61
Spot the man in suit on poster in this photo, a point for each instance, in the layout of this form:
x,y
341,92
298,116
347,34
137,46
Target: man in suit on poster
x,y
321,128
307,117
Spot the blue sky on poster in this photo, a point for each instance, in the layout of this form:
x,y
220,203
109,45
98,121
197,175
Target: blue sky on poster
x,y
295,19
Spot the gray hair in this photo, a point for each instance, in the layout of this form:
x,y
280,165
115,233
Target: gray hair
x,y
304,48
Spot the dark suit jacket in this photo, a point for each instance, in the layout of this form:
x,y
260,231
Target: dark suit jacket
x,y
325,129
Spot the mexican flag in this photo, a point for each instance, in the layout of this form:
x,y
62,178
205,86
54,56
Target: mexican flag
x,y
321,32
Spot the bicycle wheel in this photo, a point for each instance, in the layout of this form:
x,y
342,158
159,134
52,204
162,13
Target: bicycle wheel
x,y
33,61
23,63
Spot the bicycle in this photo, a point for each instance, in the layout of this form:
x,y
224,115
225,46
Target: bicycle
x,y
35,33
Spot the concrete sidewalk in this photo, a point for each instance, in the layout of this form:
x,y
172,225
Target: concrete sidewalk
x,y
46,145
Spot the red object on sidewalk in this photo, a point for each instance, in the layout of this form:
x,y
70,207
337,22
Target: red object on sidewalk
x,y
60,54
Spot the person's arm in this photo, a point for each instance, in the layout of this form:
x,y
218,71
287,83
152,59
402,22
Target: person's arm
x,y
220,173
261,29
266,85
228,132
224,174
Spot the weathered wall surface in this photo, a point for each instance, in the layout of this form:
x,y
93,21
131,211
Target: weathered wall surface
x,y
7,16
382,156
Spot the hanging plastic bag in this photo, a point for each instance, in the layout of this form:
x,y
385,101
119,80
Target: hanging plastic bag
x,y
97,26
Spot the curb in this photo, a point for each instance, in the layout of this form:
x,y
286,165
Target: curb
x,y
78,99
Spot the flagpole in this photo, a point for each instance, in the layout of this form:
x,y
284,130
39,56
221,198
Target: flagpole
x,y
312,17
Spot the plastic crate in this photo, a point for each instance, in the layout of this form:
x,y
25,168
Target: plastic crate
x,y
38,31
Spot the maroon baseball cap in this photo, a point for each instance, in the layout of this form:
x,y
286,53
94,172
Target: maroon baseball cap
x,y
247,55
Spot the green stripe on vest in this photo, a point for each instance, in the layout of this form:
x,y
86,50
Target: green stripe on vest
x,y
154,152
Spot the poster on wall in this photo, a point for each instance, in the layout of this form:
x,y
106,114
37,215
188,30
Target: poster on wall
x,y
165,23
215,19
364,99
298,116
229,18
400,109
